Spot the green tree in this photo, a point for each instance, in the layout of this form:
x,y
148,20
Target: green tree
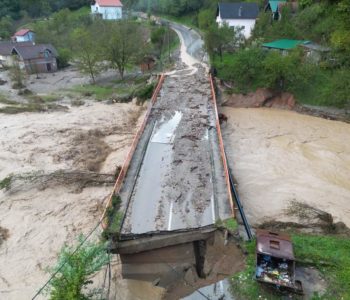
x,y
74,270
17,75
123,44
217,39
245,68
87,52
206,18
286,73
5,27
158,37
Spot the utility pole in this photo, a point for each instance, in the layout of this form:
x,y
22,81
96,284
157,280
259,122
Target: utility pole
x,y
149,8
169,41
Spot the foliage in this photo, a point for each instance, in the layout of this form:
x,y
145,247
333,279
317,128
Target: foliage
x,y
87,52
158,36
252,68
124,44
217,39
74,269
5,27
145,92
5,184
17,75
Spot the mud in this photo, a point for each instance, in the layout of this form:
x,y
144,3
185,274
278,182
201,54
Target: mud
x,y
280,156
187,188
41,217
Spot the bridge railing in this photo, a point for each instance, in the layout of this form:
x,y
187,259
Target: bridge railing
x,y
125,167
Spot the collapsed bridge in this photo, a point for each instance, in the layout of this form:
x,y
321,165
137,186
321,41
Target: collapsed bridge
x,y
174,186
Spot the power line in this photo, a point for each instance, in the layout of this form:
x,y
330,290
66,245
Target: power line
x,y
64,263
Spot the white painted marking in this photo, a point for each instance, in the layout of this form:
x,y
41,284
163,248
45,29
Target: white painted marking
x,y
213,208
222,287
170,215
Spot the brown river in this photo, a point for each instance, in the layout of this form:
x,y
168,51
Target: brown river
x,y
279,156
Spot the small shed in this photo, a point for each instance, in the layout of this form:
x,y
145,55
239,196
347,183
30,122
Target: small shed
x,y
284,45
147,64
315,52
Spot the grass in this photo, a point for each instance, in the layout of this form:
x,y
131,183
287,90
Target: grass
x,y
5,100
229,224
100,93
187,20
6,182
329,254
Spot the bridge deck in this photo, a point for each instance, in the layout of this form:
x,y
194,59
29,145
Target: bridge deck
x,y
176,179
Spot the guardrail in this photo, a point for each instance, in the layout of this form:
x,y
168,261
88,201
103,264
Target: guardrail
x,y
221,143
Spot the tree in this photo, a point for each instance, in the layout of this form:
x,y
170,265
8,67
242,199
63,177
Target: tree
x,y
17,75
286,73
87,51
244,68
5,27
124,44
217,39
158,36
74,270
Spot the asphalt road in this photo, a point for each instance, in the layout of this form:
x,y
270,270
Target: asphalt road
x,y
192,41
176,180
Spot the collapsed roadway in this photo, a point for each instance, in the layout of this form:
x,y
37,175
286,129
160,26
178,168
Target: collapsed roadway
x,y
173,187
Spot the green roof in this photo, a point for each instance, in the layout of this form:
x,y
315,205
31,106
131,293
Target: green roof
x,y
274,4
284,44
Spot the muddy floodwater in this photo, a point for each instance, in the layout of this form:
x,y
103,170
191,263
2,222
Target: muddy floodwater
x,y
281,156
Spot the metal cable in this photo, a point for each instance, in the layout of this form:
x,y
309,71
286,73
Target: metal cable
x,y
60,268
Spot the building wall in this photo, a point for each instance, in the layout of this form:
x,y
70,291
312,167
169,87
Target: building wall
x,y
247,24
108,13
6,61
29,37
40,65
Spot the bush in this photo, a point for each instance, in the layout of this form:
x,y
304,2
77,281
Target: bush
x,y
145,92
74,270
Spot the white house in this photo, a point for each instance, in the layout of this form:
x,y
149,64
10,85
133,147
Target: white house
x,y
241,15
24,35
108,9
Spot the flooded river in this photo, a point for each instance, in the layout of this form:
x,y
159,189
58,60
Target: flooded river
x,y
279,156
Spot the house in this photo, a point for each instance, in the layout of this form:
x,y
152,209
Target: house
x,y
284,45
275,6
6,47
241,15
35,59
24,35
107,9
314,52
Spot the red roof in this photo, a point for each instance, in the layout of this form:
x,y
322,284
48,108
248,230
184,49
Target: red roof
x,y
109,3
22,32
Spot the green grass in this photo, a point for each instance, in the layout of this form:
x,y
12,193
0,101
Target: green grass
x,y
331,255
100,93
5,100
6,182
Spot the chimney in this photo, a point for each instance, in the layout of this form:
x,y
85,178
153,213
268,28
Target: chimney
x,y
240,11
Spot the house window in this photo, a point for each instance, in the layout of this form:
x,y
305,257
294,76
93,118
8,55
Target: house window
x,y
47,54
